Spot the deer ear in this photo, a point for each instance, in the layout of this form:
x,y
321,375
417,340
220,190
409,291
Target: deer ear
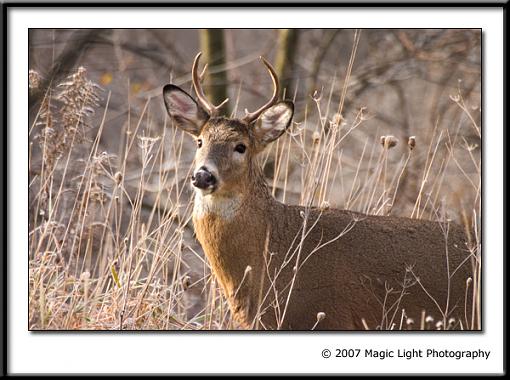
x,y
184,110
273,122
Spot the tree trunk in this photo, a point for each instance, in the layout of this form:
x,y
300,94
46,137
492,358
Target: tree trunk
x,y
287,45
212,44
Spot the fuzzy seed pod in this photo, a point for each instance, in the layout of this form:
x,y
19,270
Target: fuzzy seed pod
x,y
85,276
388,142
186,282
325,205
316,138
118,178
337,119
411,142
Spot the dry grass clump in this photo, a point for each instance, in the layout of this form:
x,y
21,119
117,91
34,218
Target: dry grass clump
x,y
111,243
100,258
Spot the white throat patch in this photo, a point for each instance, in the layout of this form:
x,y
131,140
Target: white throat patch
x,y
224,207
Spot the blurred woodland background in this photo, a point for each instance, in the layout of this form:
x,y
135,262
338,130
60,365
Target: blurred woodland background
x,y
386,122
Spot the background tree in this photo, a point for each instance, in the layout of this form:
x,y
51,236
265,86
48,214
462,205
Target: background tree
x,y
212,45
287,46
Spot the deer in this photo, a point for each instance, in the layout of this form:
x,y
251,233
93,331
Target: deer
x,y
292,267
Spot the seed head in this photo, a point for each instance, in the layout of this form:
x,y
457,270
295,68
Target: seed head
x,y
316,138
186,281
325,205
388,142
85,276
118,178
337,118
411,143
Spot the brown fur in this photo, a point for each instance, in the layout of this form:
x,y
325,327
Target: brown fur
x,y
345,279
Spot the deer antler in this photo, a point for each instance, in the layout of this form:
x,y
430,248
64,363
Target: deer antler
x,y
252,116
204,102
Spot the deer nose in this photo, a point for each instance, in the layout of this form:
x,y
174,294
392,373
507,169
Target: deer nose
x,y
203,178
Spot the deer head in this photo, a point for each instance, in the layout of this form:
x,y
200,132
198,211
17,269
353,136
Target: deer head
x,y
226,147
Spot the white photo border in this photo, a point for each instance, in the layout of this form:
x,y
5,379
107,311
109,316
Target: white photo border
x,y
244,352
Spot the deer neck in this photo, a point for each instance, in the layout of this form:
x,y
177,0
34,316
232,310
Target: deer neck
x,y
231,229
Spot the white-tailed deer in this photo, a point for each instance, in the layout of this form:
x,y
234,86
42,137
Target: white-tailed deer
x,y
301,268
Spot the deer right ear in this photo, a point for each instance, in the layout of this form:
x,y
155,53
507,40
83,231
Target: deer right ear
x,y
184,110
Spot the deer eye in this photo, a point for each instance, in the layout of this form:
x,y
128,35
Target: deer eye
x,y
199,143
240,148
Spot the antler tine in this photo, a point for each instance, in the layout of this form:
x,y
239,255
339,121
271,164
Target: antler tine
x,y
251,116
204,102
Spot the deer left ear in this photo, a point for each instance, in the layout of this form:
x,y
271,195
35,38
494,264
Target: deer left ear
x,y
273,122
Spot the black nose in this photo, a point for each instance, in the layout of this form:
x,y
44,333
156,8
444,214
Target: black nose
x,y
203,178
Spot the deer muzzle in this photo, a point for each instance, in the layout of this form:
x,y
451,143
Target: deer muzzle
x,y
203,179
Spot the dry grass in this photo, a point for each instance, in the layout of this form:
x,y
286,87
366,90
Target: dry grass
x,y
111,244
